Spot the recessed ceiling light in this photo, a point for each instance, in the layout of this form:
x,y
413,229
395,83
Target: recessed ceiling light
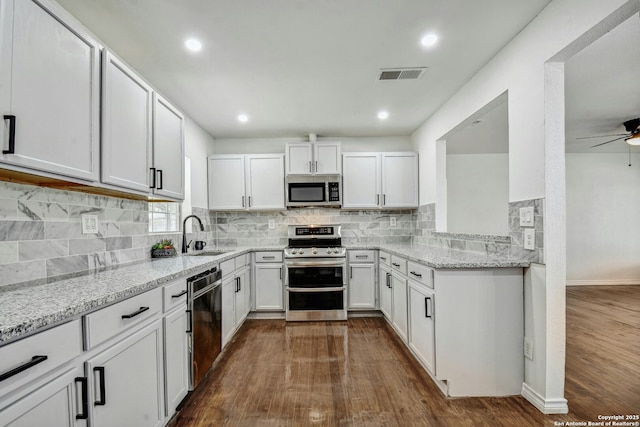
x,y
429,40
383,115
243,118
193,45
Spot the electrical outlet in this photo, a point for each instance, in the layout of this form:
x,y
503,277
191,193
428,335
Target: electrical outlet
x,y
528,348
529,239
272,224
392,221
89,224
526,217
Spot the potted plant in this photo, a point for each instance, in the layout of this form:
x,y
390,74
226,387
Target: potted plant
x,y
163,249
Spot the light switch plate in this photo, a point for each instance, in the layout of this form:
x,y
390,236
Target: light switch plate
x,y
89,224
392,221
529,239
272,224
526,217
528,348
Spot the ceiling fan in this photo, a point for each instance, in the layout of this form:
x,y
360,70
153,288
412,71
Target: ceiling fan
x,y
632,137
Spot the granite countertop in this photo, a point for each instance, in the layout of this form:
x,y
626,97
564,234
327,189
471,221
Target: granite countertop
x,y
29,307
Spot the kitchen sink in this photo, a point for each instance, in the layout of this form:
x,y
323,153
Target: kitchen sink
x,y
209,253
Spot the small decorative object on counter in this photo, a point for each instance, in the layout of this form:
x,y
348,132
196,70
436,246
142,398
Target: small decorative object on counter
x,y
163,249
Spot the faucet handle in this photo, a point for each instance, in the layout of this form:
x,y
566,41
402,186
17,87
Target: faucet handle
x,y
189,244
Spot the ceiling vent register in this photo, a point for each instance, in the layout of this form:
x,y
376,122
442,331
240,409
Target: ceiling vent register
x,y
401,73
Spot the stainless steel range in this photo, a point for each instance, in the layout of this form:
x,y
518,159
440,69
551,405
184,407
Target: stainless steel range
x,y
315,279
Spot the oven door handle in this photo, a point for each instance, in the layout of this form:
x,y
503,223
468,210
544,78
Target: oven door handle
x,y
307,290
315,263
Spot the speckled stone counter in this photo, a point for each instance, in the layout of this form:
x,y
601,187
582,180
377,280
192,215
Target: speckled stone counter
x,y
29,307
444,258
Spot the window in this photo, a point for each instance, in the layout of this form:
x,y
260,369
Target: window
x,y
164,217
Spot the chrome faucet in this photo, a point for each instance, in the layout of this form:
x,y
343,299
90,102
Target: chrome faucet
x,y
184,232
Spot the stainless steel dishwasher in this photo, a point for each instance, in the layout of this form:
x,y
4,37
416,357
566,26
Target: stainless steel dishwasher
x,y
205,324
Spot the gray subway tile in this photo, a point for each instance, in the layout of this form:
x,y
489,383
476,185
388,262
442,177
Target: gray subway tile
x,y
42,249
66,265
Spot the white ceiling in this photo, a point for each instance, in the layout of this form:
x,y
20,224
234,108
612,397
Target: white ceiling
x,y
305,66
601,89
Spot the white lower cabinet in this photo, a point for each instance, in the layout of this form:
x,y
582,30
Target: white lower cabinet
x,y
384,289
126,381
176,359
60,402
236,295
422,324
362,286
269,287
399,304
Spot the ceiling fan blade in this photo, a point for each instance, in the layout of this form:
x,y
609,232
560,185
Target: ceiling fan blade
x,y
602,143
603,136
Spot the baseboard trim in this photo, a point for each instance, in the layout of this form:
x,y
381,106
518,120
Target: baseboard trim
x,y
603,282
546,406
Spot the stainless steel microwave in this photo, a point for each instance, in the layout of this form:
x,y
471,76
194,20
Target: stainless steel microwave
x,y
317,190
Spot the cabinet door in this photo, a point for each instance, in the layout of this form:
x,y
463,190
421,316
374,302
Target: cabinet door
x,y
386,294
57,403
422,324
399,303
242,296
299,158
226,182
168,149
361,180
176,359
269,287
50,81
265,181
228,308
327,158
362,286
126,126
127,381
399,180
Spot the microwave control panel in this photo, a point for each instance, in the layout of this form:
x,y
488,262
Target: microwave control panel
x,y
334,191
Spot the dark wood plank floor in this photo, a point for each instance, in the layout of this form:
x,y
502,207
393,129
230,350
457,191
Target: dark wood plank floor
x,y
358,373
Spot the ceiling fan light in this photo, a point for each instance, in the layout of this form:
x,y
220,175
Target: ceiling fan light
x,y
633,139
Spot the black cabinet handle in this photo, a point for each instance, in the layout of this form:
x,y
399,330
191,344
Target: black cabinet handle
x,y
362,256
159,179
15,371
249,201
135,313
350,272
280,273
243,201
179,295
12,134
153,178
383,258
190,322
388,281
269,257
103,398
84,414
239,284
395,265
426,307
416,274
384,200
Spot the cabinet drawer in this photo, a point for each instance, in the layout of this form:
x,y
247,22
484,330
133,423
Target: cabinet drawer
x,y
361,256
420,273
269,256
110,321
384,258
228,267
399,264
175,294
241,261
31,357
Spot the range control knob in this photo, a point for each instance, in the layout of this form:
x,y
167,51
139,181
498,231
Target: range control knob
x,y
300,251
329,250
336,250
293,251
315,251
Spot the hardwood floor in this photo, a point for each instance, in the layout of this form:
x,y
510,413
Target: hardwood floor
x,y
358,373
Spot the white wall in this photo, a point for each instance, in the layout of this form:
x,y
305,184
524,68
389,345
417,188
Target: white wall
x,y
520,69
603,207
277,145
478,193
198,144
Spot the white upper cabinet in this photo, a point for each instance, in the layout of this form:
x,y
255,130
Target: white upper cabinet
x,y
252,181
311,158
126,126
399,180
49,91
168,150
380,180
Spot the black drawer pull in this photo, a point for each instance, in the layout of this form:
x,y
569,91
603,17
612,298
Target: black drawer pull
x,y
269,257
395,265
85,398
362,256
416,274
103,398
12,134
179,295
135,313
15,371
383,258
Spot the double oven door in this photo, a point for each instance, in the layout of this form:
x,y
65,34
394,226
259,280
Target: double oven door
x,y
316,289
